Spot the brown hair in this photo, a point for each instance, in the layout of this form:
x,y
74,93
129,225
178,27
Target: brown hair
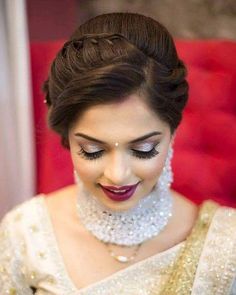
x,y
110,57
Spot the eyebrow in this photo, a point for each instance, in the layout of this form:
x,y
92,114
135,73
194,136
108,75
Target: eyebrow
x,y
132,141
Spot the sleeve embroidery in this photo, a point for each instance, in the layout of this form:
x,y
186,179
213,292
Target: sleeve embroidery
x,y
11,274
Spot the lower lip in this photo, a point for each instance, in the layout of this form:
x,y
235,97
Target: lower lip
x,y
120,197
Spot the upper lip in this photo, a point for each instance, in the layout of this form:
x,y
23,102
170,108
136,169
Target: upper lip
x,y
125,187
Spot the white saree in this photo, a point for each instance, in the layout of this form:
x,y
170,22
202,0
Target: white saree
x,y
31,263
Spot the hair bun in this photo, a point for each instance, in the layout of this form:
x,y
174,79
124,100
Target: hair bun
x,y
107,59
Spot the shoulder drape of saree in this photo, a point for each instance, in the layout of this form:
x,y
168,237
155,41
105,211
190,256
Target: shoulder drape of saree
x,y
207,263
183,272
217,266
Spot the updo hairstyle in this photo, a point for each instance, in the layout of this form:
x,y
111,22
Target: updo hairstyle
x,y
110,57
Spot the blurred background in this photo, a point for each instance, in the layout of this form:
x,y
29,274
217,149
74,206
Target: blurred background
x,y
184,19
30,33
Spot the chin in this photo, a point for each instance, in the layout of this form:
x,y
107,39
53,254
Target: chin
x,y
121,205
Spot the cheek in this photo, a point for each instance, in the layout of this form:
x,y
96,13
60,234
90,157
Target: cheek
x,y
86,170
152,169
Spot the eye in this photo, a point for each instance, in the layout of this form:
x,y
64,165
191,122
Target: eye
x,y
145,155
90,156
137,153
148,152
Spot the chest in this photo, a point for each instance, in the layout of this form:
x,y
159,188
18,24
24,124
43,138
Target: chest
x,y
88,260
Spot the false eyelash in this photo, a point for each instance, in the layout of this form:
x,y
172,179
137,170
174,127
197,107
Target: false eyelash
x,y
139,154
145,155
90,156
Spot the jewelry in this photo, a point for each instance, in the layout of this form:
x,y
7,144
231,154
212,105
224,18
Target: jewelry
x,y
122,258
134,226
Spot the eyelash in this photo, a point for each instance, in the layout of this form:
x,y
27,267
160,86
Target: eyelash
x,y
145,155
139,154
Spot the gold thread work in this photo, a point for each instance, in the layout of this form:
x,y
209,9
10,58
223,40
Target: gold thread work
x,y
184,269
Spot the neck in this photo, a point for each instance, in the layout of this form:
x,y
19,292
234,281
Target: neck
x,y
132,227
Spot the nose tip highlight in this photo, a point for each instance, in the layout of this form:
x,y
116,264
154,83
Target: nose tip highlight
x,y
117,176
118,171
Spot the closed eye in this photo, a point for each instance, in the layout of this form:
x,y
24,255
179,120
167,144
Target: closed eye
x,y
90,156
145,154
140,154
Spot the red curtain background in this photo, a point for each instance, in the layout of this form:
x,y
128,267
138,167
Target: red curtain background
x,y
204,162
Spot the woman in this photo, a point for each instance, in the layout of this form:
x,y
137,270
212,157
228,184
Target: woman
x,y
115,93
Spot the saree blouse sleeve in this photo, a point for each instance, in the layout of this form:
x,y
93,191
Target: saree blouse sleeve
x,y
12,279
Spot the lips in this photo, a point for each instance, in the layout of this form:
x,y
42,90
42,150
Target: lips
x,y
119,194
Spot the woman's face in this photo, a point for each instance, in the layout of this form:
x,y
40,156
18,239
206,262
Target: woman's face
x,y
119,144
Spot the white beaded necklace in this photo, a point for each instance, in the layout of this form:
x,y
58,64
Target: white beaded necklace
x,y
128,228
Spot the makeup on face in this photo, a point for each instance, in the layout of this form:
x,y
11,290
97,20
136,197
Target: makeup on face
x,y
92,148
119,194
138,159
142,147
139,139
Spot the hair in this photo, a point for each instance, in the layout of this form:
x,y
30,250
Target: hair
x,y
110,57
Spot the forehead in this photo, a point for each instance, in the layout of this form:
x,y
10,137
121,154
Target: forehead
x,y
130,117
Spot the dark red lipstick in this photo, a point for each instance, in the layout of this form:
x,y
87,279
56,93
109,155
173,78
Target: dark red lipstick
x,y
121,193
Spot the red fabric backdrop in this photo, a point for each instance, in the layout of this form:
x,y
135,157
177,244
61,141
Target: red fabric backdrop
x,y
205,148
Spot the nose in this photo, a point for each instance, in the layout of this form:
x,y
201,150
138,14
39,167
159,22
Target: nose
x,y
117,170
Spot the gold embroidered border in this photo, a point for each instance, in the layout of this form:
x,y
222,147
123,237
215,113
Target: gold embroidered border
x,y
184,269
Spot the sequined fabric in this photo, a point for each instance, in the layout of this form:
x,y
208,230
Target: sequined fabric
x,y
30,259
217,266
28,251
185,266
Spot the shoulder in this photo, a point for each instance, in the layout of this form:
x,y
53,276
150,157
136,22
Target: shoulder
x,y
37,213
31,210
225,219
217,265
222,227
221,234
15,234
61,199
22,211
17,225
230,211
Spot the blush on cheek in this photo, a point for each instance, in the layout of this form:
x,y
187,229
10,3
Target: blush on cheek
x,y
87,172
152,169
153,172
83,173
